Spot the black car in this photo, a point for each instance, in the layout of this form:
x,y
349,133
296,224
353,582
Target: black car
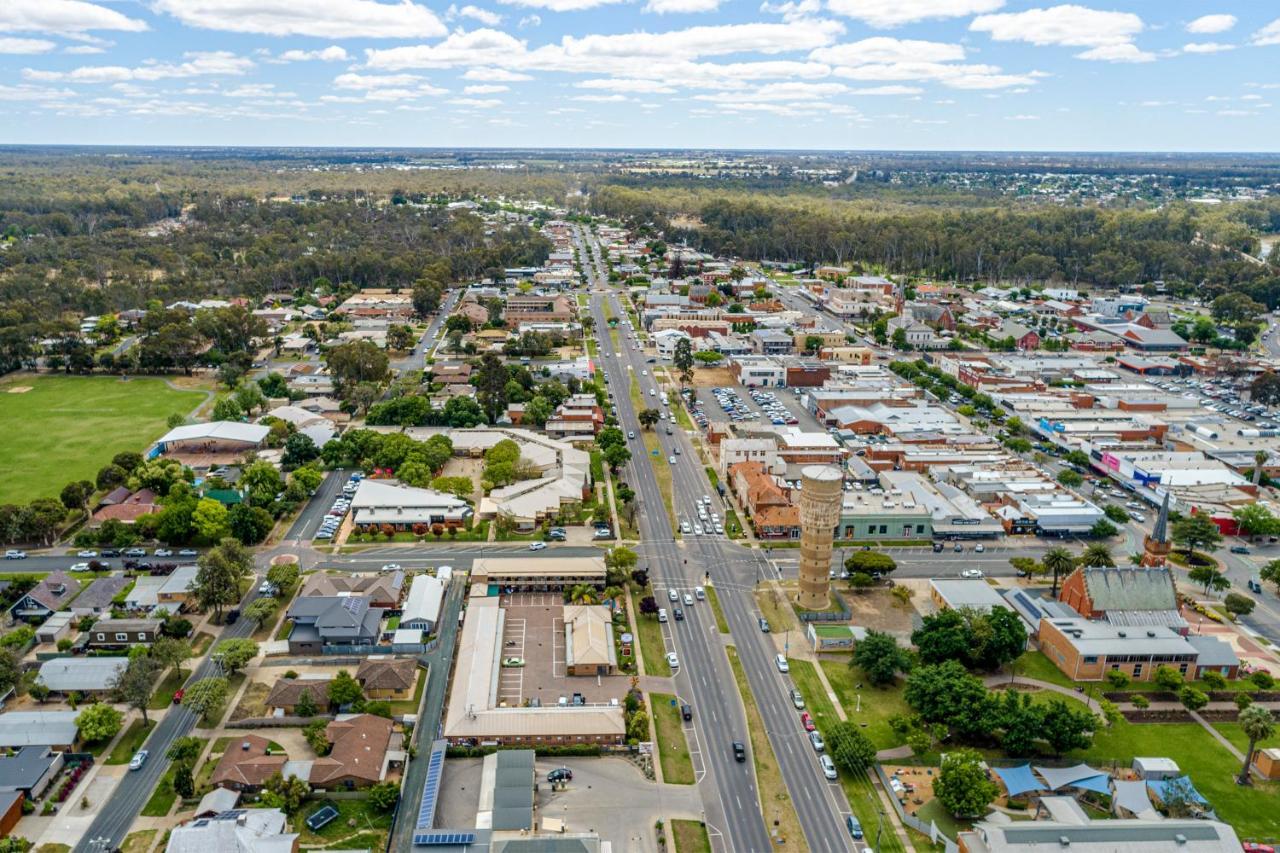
x,y
686,711
232,616
739,751
679,614
110,552
560,774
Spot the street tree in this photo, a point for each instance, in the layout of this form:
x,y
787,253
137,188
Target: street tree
x,y
1239,605
260,610
1058,561
169,651
648,417
618,563
205,697
235,654
219,573
1209,577
1265,389
683,360
870,563
850,749
1097,554
99,722
1271,572
1196,532
962,785
133,684
1256,520
283,575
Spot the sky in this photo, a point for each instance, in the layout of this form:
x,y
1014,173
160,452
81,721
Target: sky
x,y
1111,75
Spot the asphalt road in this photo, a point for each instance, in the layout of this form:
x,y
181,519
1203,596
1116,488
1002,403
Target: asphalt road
x,y
417,358
727,787
119,811
308,521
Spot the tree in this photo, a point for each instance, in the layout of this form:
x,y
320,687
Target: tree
x,y
99,722
184,784
648,417
1167,678
1058,560
1258,725
962,786
1271,572
998,638
76,494
235,654
250,398
299,449
1116,514
1239,605
850,749
946,693
186,748
249,524
1255,519
383,796
616,457
355,362
1070,479
682,359
1192,699
220,570
618,563
283,575
872,563
1103,529
133,684
274,385
168,651
491,386
942,636
880,658
1066,728
399,337
227,409
344,690
205,696
1196,532
209,519
1236,308
1209,577
1265,389
537,411
286,794
1119,679
1020,721
1096,554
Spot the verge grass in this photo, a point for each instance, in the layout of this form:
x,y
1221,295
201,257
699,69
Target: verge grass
x,y
673,749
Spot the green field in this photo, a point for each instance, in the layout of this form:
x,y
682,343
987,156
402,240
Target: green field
x,y
673,749
67,427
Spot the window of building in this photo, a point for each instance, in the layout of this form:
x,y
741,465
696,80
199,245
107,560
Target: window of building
x,y
102,636
142,636
1137,670
122,636
1182,668
1090,658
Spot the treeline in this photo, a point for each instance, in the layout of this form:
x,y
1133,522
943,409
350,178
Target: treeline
x,y
1090,246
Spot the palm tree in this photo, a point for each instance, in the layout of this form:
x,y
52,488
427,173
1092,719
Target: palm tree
x,y
1059,561
581,594
1258,724
1259,459
612,594
1097,554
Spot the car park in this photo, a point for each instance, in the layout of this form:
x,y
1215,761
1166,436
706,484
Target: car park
x,y
560,774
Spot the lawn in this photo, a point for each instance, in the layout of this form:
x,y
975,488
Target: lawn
x,y
162,797
673,749
651,645
410,706
163,696
130,742
88,419
1236,735
368,822
775,802
775,610
138,842
722,624
878,703
690,836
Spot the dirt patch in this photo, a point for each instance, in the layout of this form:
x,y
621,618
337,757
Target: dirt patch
x,y
713,377
19,389
465,467
878,609
253,703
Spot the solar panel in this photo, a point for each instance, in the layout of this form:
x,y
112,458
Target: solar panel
x,y
1026,602
440,839
431,788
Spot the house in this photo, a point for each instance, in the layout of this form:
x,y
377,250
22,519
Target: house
x,y
98,596
1023,338
588,640
247,764
176,589
770,342
54,729
54,591
235,831
319,621
359,754
88,675
145,592
10,811
217,801
387,677
113,633
55,628
383,589
1124,595
127,509
915,334
286,693
422,607
29,770
667,340
378,503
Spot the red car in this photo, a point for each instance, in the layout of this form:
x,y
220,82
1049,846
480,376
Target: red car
x,y
807,722
177,695
1252,847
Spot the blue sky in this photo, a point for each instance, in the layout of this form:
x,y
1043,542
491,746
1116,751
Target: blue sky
x,y
838,74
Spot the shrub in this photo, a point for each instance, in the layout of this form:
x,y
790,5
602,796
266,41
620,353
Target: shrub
x,y
1214,680
1262,680
1140,701
1118,679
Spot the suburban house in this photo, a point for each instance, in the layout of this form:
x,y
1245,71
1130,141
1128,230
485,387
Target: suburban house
x,y
422,606
286,693
1124,595
88,675
108,633
97,597
176,589
238,830
247,764
10,811
55,628
29,770
319,621
383,589
361,752
388,678
378,503
51,594
54,729
128,509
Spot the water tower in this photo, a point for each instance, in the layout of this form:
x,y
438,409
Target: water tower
x,y
821,496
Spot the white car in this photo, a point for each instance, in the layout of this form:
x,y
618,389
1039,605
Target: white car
x,y
672,595
139,759
537,546
14,554
80,567
816,739
672,660
781,662
391,567
688,600
828,767
971,573
684,528
671,460
87,554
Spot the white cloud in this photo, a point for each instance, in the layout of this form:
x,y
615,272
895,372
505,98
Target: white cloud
x,y
1207,24
84,49
666,7
882,49
332,53
484,16
1069,25
375,81
25,92
1121,52
485,89
197,63
561,5
893,13
888,59
1268,35
793,9
1022,117
64,17
887,90
319,18
16,45
495,75
529,21
1207,47
478,103
601,99
791,92
648,87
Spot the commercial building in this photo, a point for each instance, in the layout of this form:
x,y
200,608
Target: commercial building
x,y
1125,595
523,574
379,502
1087,651
214,437
588,640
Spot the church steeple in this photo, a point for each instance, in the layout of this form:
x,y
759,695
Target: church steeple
x,y
1156,546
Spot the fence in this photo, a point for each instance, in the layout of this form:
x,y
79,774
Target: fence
x,y
841,615
366,651
930,829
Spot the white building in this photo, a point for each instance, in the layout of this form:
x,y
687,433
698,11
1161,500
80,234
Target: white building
x,y
666,341
384,502
422,606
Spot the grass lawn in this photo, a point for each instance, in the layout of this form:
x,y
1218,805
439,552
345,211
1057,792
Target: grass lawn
x,y
690,836
162,797
285,629
878,703
1236,735
1252,810
410,706
777,613
775,802
722,624
1034,664
368,822
88,418
130,742
673,749
651,645
138,842
200,644
163,696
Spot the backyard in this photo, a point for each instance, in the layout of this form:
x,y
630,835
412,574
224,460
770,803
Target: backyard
x,y
88,419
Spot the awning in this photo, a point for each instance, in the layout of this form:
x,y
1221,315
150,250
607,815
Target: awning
x,y
1018,780
1183,783
1100,783
1132,797
1062,777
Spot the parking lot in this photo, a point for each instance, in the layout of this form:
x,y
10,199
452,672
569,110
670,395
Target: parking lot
x,y
533,631
767,407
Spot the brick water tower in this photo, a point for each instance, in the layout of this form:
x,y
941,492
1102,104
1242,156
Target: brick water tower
x,y
821,496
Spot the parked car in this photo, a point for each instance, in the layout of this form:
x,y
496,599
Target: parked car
x,y
513,662
137,552
797,699
87,553
816,739
1239,549
971,573
560,774
15,554
764,625
391,567
828,767
807,722
79,567
686,711
781,662
852,824
110,552
159,552
188,552
672,660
